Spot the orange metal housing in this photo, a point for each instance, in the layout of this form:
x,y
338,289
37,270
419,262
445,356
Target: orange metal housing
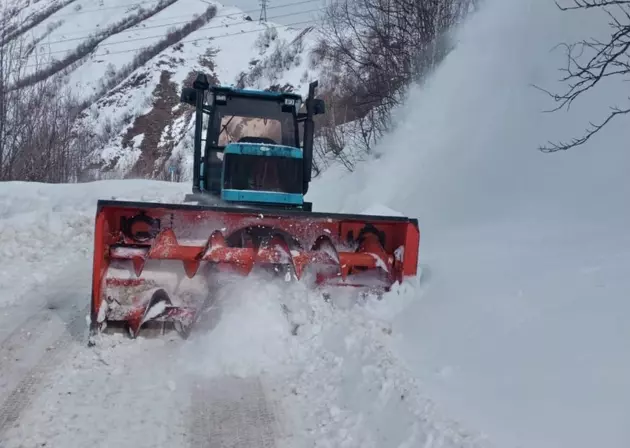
x,y
341,248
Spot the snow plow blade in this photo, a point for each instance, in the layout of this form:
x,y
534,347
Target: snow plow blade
x,y
161,263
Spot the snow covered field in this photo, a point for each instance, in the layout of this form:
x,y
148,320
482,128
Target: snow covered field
x,y
514,337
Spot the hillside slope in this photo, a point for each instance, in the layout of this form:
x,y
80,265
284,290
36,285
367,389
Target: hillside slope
x,y
128,62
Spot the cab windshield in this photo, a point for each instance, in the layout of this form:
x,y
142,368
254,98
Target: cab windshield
x,y
252,130
247,120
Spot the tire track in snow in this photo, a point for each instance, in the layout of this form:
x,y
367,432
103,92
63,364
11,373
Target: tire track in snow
x,y
15,358
231,412
29,354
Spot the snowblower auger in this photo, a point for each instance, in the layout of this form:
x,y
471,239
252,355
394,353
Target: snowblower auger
x,y
161,264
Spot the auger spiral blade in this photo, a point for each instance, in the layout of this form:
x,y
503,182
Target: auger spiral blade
x,y
161,262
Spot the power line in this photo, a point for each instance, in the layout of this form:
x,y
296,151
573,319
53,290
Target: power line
x,y
202,28
206,38
196,40
178,23
135,27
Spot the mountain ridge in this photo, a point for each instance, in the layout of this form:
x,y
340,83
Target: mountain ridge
x,y
125,64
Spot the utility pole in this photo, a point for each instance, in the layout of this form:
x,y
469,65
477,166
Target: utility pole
x,y
263,10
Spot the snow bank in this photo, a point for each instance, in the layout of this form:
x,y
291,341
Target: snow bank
x,y
43,227
519,331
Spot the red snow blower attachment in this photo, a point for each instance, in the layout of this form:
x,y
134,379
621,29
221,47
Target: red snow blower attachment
x,y
162,263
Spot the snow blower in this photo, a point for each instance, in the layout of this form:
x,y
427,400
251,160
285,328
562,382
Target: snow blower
x,y
159,264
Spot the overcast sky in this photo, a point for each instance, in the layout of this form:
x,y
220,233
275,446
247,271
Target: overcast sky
x,y
293,13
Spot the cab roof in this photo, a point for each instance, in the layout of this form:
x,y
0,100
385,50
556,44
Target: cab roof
x,y
262,94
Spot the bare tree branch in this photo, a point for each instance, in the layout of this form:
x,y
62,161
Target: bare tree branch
x,y
603,60
37,140
371,51
584,4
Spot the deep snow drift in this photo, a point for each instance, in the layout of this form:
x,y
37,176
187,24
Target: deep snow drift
x,y
520,332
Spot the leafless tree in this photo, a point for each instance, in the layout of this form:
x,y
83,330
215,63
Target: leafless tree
x,y
373,50
36,121
591,62
11,65
46,151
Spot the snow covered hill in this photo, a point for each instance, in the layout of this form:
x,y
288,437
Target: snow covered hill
x,y
129,61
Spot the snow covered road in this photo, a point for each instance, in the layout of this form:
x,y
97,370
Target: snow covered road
x,y
55,391
34,348
277,366
133,395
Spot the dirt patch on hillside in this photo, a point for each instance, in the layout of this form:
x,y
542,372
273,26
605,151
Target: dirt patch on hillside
x,y
156,133
158,141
